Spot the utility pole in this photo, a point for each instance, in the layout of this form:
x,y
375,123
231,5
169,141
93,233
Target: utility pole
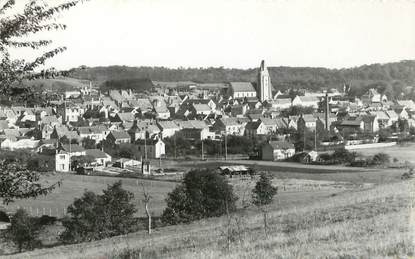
x,y
145,146
202,151
315,139
304,139
175,155
226,148
70,155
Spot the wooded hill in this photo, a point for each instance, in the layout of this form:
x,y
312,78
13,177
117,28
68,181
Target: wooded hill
x,y
389,77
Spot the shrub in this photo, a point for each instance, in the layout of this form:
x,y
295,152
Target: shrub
x,y
264,192
203,193
380,159
95,217
23,230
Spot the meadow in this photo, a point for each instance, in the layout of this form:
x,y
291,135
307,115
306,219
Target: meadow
x,y
372,222
403,152
73,186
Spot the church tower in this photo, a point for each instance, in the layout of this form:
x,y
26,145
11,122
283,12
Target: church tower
x,y
264,86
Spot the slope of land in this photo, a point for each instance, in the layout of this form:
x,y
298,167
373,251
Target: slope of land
x,y
374,222
392,77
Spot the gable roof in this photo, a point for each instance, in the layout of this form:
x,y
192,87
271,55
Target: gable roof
x,y
72,148
163,125
119,134
126,116
192,124
281,145
242,87
96,153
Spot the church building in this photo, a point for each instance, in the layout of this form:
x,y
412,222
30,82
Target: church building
x,y
264,86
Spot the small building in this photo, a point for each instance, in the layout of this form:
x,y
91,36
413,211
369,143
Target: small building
x,y
306,101
168,128
101,158
152,148
118,137
277,150
126,162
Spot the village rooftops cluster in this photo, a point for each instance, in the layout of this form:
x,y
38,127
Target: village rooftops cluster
x,y
194,112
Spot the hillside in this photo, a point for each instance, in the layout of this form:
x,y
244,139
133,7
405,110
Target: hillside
x,y
392,75
366,223
56,84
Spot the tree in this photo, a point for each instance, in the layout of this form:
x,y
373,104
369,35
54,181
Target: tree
x,y
203,193
18,182
94,217
23,230
16,31
146,201
297,110
128,150
264,192
89,143
262,195
81,161
380,159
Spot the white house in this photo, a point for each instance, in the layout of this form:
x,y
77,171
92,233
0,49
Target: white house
x,y
101,158
62,161
152,148
64,154
13,143
306,101
277,150
168,128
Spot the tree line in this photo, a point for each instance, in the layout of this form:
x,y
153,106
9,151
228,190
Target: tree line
x,y
203,193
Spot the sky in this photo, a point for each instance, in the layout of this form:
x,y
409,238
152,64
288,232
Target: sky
x,y
235,33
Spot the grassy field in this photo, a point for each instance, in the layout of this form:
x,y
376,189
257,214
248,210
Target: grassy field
x,y
403,152
73,186
370,222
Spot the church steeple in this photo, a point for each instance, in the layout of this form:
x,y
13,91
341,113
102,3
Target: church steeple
x,y
264,86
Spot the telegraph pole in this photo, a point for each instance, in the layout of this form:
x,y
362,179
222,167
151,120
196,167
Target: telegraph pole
x,y
202,150
145,146
175,155
226,148
304,139
315,139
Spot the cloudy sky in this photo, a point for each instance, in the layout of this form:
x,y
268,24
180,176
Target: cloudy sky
x,y
236,33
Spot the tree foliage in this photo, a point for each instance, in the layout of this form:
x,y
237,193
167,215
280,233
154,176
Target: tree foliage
x,y
297,110
17,181
203,193
17,31
23,230
391,78
94,217
264,191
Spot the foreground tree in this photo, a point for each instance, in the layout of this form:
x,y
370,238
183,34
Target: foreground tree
x,y
23,230
203,193
17,182
95,217
16,31
146,201
263,194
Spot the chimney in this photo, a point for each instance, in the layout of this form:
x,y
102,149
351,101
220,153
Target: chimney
x,y
327,110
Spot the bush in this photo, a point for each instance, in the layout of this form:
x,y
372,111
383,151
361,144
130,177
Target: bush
x,y
264,192
203,193
95,217
380,159
23,231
